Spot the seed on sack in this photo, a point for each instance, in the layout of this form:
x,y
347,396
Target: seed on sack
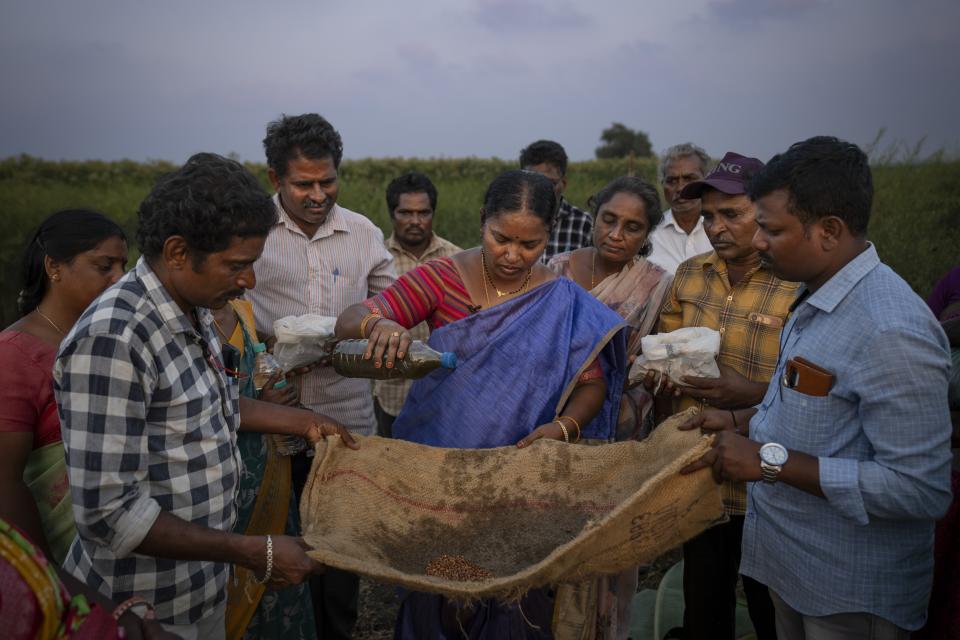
x,y
456,568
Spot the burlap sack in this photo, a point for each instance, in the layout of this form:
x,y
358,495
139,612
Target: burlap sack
x,y
547,514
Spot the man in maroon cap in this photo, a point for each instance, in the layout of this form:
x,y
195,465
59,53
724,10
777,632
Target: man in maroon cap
x,y
730,291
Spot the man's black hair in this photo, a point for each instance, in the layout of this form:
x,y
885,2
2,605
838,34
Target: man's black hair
x,y
308,135
208,201
544,151
412,182
823,176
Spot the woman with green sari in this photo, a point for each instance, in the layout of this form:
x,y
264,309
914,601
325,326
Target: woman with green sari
x,y
265,500
70,260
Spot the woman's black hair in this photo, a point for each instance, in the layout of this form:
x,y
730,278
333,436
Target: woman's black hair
x,y
640,188
63,236
516,190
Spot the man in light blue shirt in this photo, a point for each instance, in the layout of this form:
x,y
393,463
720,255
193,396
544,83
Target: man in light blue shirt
x,y
848,454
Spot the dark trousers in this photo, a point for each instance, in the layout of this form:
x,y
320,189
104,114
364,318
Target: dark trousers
x,y
711,564
336,593
384,420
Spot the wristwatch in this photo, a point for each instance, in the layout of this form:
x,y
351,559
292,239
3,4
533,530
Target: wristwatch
x,y
772,458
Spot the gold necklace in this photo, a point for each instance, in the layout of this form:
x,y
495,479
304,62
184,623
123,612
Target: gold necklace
x,y
52,323
500,294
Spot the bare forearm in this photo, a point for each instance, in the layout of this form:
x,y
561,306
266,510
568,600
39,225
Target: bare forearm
x,y
171,537
348,322
755,396
741,419
266,417
747,394
803,472
586,401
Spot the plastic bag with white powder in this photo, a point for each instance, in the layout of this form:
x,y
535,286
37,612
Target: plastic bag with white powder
x,y
691,351
302,340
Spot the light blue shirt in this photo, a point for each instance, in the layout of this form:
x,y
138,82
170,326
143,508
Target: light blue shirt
x,y
882,437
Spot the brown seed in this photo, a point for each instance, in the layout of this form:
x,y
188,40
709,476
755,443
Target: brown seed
x,y
456,568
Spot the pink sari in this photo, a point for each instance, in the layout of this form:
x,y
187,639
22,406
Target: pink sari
x,y
600,608
636,293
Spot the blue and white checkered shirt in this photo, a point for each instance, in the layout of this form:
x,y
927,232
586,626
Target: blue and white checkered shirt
x,y
149,423
882,437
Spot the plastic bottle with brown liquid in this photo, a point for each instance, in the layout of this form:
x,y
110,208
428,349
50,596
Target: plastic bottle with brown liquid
x,y
419,361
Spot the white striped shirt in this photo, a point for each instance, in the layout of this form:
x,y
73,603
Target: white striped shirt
x,y
345,262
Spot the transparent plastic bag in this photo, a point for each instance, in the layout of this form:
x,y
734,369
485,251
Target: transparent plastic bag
x,y
302,340
691,351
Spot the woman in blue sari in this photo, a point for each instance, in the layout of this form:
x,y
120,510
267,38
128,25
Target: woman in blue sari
x,y
538,357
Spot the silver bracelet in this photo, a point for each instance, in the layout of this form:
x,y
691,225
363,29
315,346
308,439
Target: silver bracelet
x,y
266,576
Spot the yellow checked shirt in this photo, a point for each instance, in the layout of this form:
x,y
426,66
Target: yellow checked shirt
x,y
391,393
749,317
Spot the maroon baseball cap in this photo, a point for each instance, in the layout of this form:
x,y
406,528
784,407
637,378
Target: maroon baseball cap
x,y
730,176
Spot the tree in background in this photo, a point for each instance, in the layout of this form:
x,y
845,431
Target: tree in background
x,y
620,141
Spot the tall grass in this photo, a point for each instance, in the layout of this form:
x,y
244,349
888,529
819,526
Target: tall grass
x,y
915,224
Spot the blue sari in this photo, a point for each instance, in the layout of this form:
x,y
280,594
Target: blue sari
x,y
517,364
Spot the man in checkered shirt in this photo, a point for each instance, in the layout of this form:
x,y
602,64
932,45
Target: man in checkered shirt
x,y
573,228
150,409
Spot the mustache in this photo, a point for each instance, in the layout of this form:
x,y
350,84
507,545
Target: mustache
x,y
310,203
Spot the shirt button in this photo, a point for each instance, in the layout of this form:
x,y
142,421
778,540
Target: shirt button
x,y
722,329
729,298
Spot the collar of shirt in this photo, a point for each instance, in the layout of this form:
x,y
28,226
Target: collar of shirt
x,y
565,208
435,245
834,290
670,221
719,266
173,316
332,224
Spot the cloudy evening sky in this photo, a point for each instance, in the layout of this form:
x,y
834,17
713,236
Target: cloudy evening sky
x,y
112,79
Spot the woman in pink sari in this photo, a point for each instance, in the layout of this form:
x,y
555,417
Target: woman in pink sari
x,y
69,261
615,272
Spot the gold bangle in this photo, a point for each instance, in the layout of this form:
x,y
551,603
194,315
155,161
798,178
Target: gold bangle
x,y
566,435
366,319
576,424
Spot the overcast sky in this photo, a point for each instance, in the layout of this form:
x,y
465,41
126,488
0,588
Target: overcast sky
x,y
110,79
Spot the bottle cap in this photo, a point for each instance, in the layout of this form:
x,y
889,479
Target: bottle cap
x,y
281,383
448,360
259,347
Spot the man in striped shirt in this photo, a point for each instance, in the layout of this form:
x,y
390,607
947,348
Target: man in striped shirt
x,y
319,258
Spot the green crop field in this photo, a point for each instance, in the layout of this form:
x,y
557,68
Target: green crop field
x,y
915,224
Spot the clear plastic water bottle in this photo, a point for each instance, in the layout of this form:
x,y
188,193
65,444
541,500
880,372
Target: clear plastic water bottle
x,y
419,361
265,366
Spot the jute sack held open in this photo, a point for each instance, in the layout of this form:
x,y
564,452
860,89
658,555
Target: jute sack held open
x,y
546,514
